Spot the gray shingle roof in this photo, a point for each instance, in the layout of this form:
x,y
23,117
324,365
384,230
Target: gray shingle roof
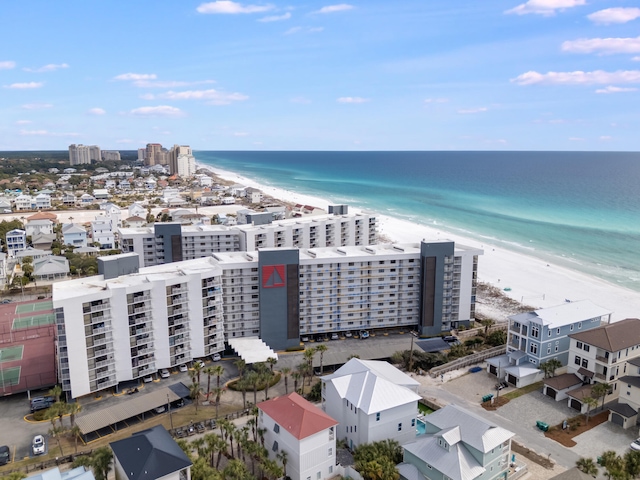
x,y
613,336
150,454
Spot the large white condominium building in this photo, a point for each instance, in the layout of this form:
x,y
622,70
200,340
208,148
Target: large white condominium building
x,y
79,154
169,242
127,322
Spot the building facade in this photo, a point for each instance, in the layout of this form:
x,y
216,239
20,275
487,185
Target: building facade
x,y
16,241
307,434
79,154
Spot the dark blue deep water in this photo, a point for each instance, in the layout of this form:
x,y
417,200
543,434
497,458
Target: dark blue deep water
x,y
580,209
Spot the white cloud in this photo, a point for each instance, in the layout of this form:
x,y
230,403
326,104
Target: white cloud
x,y
636,59
603,46
466,111
47,133
335,8
7,65
51,67
240,134
169,83
159,111
36,106
578,77
293,30
147,96
25,85
136,76
276,18
614,15
612,89
302,100
228,7
96,111
23,122
605,138
544,7
212,96
576,139
352,100
435,100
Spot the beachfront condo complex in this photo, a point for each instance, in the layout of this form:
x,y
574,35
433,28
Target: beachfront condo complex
x,y
128,322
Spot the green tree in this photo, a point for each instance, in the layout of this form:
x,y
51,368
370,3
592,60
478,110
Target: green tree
x,y
286,371
15,476
272,362
321,349
588,466
496,338
600,390
101,462
235,470
194,392
632,463
591,402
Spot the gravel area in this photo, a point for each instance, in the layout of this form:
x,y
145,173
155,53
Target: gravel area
x,y
534,406
605,436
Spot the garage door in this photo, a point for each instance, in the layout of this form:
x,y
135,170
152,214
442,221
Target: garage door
x,y
493,369
617,419
575,404
511,379
551,392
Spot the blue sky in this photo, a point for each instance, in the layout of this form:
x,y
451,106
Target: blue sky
x,y
367,75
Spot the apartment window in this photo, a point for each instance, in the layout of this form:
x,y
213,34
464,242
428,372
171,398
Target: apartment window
x,y
586,348
318,476
275,446
413,422
571,327
548,349
399,427
579,345
558,331
276,428
533,348
330,452
585,363
378,417
577,360
579,325
548,332
535,331
330,468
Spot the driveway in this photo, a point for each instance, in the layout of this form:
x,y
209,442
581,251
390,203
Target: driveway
x,y
534,406
605,436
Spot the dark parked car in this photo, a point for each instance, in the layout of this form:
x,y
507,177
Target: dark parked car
x,y
501,385
40,403
5,455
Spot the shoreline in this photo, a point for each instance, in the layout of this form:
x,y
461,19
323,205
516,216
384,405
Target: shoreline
x,y
531,281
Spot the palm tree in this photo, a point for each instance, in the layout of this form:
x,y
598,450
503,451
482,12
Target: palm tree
x,y
601,390
235,470
73,409
15,476
296,377
272,362
102,458
209,371
197,368
55,432
218,391
285,373
632,463
588,466
75,432
554,364
253,378
283,457
242,384
240,365
194,393
266,378
55,392
321,349
308,355
591,402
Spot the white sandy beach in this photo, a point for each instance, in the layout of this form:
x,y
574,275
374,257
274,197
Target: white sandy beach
x,y
531,280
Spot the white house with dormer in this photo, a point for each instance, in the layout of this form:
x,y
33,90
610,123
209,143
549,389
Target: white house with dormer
x,y
307,434
34,227
372,401
43,200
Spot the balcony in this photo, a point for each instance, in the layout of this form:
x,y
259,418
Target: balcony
x,y
602,359
600,376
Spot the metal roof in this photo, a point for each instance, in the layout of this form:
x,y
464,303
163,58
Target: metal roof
x,y
126,409
252,349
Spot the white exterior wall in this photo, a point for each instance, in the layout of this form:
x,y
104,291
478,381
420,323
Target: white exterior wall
x,y
306,457
467,285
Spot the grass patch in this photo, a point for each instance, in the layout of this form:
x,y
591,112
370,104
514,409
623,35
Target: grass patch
x,y
523,391
261,386
423,409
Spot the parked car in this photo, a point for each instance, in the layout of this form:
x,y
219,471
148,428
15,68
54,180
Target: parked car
x,y
160,409
450,338
6,300
304,339
5,455
164,373
334,336
501,385
148,379
40,403
216,357
348,334
37,445
183,368
364,334
635,445
199,363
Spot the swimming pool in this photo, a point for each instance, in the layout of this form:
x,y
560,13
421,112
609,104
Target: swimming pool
x,y
421,427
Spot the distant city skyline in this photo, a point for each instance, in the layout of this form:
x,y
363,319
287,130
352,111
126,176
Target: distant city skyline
x,y
374,75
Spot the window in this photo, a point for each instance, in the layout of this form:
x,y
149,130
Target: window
x,y
579,345
558,331
413,422
318,476
535,331
586,348
577,360
330,452
275,446
378,417
533,348
571,327
330,468
399,427
276,428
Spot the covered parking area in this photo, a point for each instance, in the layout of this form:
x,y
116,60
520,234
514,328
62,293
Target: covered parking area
x,y
126,413
252,349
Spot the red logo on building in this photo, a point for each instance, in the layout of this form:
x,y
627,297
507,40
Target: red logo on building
x,y
273,276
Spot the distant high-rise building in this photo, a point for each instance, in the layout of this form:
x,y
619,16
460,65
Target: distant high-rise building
x,y
186,165
79,154
142,152
94,153
111,155
154,154
174,153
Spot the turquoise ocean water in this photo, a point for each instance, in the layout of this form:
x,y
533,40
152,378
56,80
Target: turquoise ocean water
x,y
578,209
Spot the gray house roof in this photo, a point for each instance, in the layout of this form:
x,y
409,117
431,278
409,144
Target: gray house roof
x,y
150,454
50,265
613,336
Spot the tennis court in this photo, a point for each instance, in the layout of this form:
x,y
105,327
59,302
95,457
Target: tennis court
x,y
34,307
33,321
11,354
9,376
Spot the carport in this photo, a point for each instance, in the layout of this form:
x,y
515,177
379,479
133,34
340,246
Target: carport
x,y
252,349
108,420
364,349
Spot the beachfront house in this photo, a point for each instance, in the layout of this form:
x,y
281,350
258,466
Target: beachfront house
x,y
50,267
15,240
372,401
150,454
457,444
609,354
541,335
33,227
74,235
294,426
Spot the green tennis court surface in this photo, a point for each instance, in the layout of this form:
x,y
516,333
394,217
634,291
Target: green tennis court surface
x,y
34,307
9,376
11,354
33,321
